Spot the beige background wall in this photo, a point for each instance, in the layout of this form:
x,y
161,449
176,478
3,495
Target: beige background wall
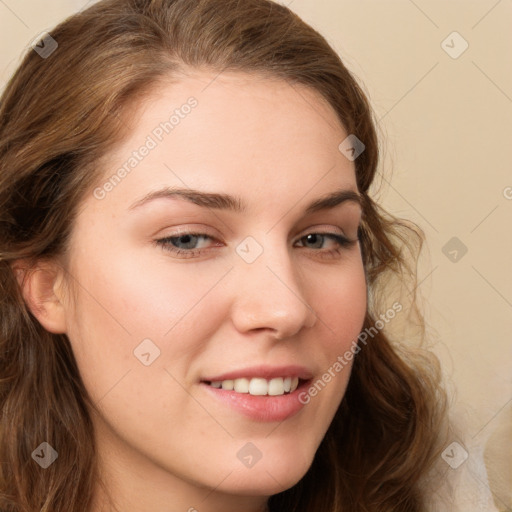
x,y
447,122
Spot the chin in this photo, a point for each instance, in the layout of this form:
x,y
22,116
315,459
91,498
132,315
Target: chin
x,y
262,483
279,472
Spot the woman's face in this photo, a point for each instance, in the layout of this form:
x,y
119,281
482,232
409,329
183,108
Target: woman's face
x,y
261,293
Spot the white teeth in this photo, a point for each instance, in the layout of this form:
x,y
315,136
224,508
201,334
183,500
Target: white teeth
x,y
241,385
227,384
276,387
258,386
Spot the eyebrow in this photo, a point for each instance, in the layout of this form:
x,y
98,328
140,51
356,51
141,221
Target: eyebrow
x,y
219,201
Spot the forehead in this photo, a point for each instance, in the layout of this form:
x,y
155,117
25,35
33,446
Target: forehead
x,y
230,132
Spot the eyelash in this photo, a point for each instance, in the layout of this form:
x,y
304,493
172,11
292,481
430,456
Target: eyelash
x,y
342,241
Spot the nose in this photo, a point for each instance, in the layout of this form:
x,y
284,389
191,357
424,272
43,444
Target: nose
x,y
270,296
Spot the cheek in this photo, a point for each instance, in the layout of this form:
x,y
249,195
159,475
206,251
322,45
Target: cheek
x,y
126,296
341,303
341,307
123,301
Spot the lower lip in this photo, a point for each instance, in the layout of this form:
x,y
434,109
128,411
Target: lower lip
x,y
261,408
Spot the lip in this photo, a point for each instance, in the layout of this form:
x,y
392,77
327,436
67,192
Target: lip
x,y
260,408
264,372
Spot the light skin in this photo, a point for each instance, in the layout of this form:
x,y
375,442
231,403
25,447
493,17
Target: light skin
x,y
164,444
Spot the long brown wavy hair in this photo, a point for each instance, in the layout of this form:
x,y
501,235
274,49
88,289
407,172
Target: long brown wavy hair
x,y
58,116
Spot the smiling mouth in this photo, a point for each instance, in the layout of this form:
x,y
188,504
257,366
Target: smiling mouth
x,y
257,386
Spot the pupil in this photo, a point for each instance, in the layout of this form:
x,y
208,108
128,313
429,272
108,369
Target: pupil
x,y
313,239
185,240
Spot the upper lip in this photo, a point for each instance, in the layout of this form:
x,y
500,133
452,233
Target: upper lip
x,y
265,372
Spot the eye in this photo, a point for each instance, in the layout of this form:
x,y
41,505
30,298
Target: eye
x,y
192,245
184,244
339,243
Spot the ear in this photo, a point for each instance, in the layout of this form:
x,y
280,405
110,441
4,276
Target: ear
x,y
42,289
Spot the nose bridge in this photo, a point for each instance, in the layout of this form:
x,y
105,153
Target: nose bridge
x,y
270,293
